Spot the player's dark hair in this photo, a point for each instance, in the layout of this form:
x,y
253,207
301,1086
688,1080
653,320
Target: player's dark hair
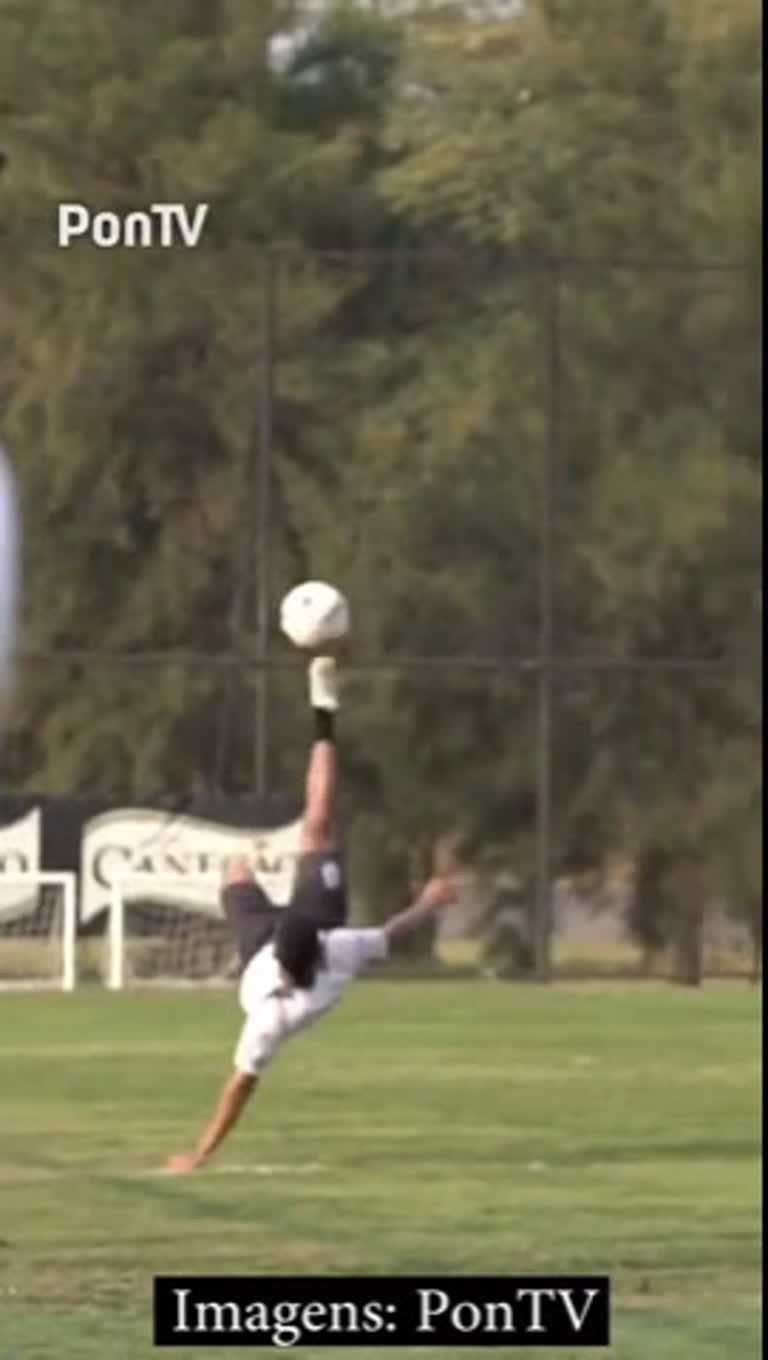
x,y
297,947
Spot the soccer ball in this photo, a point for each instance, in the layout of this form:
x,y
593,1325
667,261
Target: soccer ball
x,y
314,614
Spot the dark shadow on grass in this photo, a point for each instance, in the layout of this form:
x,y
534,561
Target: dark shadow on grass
x,y
710,1149
181,1194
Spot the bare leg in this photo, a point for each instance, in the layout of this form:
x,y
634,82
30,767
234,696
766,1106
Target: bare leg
x,y
319,828
321,788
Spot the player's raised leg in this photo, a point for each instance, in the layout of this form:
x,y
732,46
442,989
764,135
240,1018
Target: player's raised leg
x,y
319,831
320,888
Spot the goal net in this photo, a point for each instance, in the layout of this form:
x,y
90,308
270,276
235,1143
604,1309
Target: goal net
x,y
38,931
167,930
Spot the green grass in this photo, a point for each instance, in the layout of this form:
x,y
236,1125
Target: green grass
x,y
455,1127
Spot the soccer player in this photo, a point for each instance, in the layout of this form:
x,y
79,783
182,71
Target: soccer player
x,y
9,543
320,887
287,986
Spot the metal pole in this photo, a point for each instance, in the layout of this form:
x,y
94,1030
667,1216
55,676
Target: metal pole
x,y
543,901
263,526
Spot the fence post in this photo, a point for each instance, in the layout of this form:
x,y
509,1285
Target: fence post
x,y
262,528
543,923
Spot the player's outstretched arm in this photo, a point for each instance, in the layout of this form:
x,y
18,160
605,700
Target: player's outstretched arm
x,y
438,893
230,1105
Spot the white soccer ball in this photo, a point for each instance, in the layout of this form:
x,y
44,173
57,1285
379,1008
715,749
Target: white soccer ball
x,y
314,614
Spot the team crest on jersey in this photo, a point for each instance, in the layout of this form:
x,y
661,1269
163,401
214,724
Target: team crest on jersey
x,y
331,875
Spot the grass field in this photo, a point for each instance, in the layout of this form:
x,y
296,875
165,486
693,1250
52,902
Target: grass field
x,y
423,1127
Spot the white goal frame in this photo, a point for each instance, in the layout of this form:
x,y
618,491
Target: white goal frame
x,y
67,978
115,978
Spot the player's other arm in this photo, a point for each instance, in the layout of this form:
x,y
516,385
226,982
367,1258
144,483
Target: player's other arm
x,y
255,1049
438,893
232,1100
352,950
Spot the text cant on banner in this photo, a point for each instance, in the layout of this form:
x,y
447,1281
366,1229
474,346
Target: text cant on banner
x,y
491,1311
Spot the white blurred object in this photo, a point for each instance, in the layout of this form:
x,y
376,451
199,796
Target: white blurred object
x,y
314,614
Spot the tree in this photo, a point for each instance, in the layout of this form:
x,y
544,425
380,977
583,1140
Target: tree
x,y
132,375
576,147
